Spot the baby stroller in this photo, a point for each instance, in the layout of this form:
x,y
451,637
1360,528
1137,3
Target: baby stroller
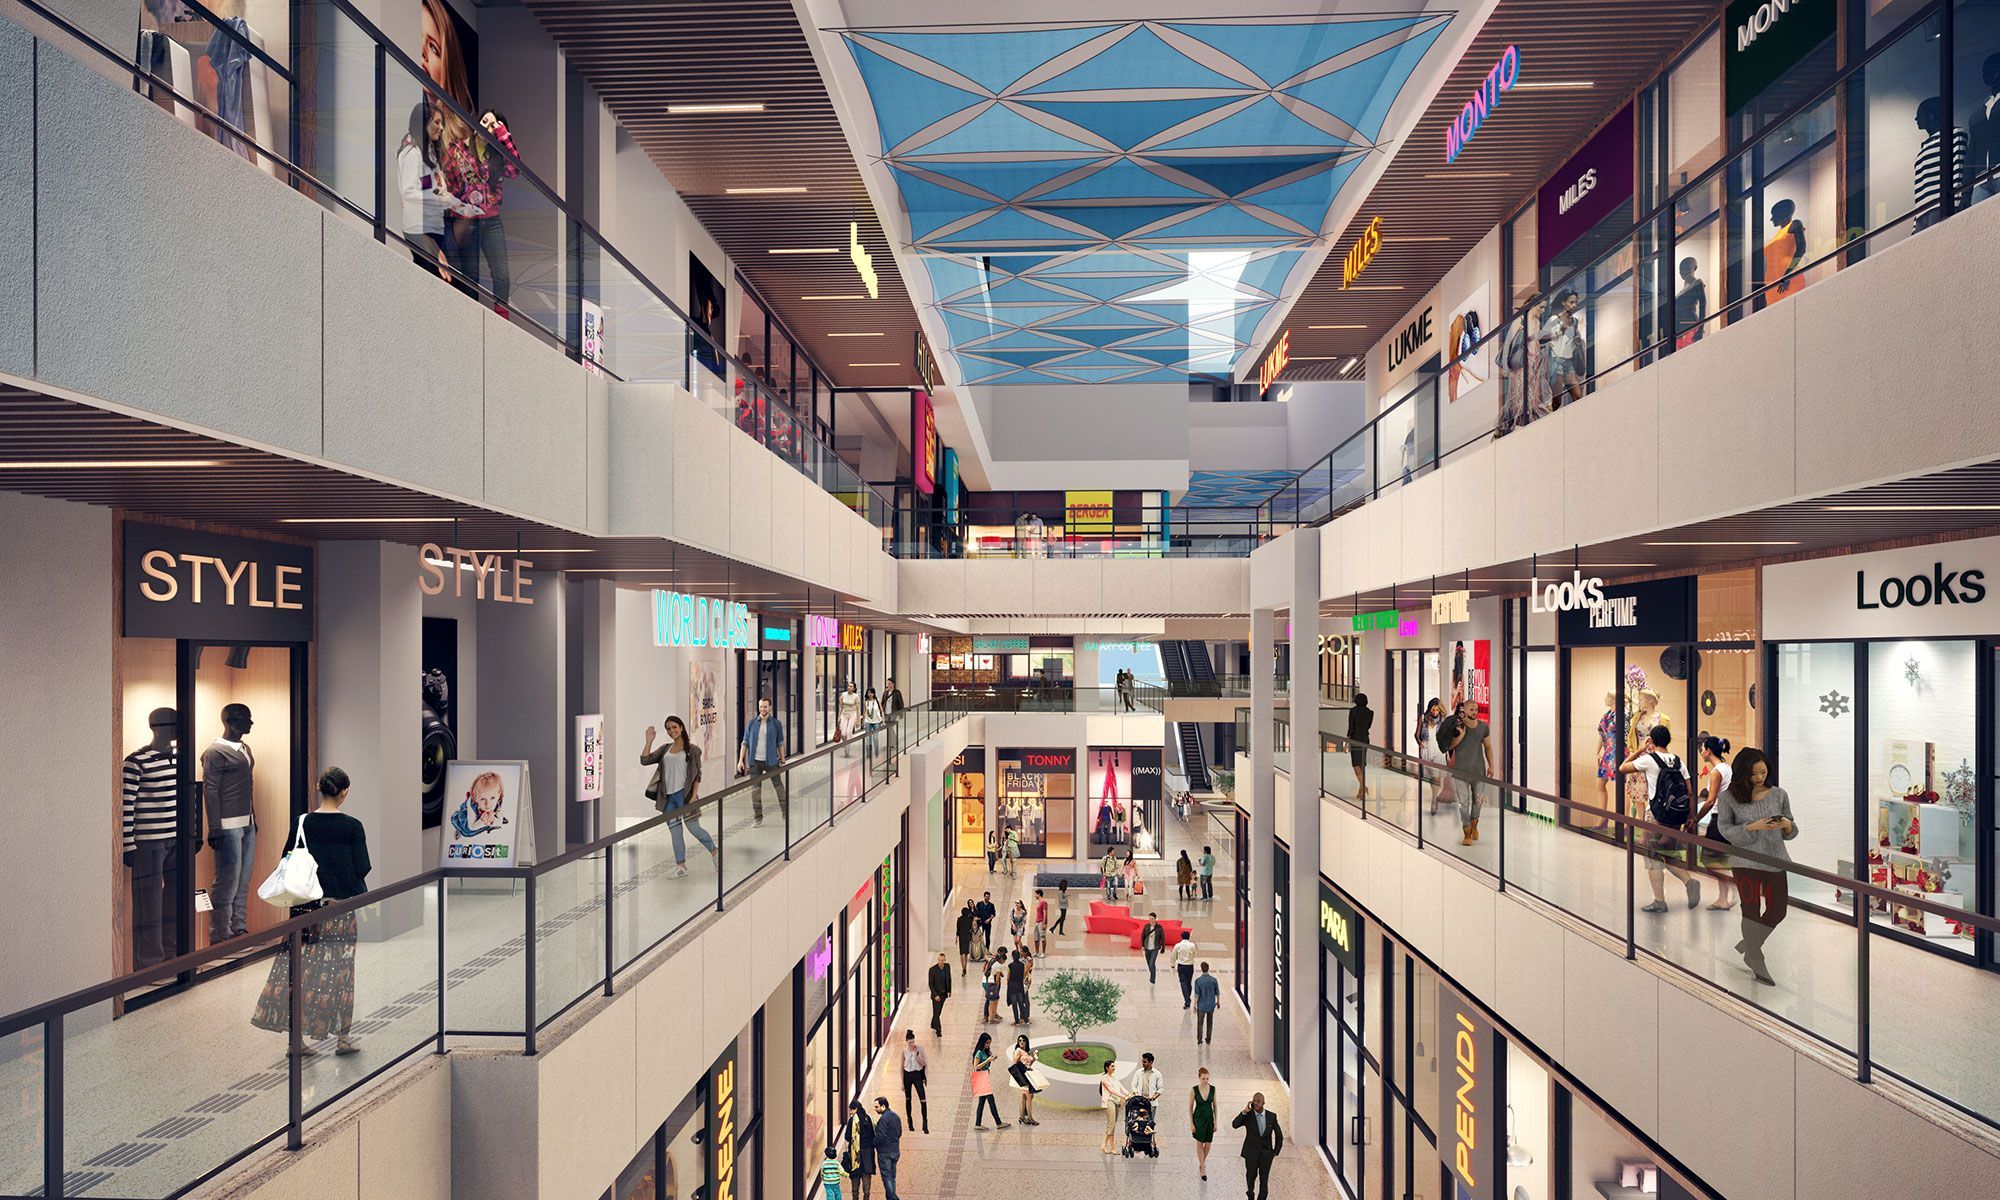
x,y
1139,1128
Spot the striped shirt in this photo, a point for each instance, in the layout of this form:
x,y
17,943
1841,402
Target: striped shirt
x,y
829,1177
1930,173
152,796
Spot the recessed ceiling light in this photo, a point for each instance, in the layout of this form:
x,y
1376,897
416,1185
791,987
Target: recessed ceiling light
x,y
621,570
527,550
808,250
1315,357
1468,175
1553,85
876,334
699,110
1910,508
106,464
1418,237
1337,326
366,520
853,296
763,191
1374,287
874,364
1724,542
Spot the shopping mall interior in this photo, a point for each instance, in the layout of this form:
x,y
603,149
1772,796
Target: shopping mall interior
x,y
893,542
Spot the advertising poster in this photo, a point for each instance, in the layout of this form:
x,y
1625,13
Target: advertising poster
x,y
949,482
593,335
923,443
705,704
1088,513
1470,361
590,757
1472,674
486,814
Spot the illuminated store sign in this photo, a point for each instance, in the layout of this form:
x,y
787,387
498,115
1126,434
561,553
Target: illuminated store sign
x,y
490,574
822,633
1594,185
1387,618
1485,98
927,367
1275,363
1281,1009
864,262
1766,38
1415,336
999,645
696,621
1912,592
1340,929
1576,592
852,637
924,443
1362,252
1466,1096
1657,612
777,633
188,583
1451,608
721,1139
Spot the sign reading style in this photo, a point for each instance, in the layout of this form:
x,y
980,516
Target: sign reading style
x,y
1466,1097
1339,929
696,621
1361,253
189,583
1940,590
1763,39
1485,98
1658,612
924,443
509,579
1275,362
1596,182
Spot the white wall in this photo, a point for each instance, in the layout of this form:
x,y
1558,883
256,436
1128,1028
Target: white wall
x,y
651,683
1132,435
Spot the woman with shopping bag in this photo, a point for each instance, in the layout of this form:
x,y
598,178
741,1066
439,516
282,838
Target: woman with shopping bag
x,y
326,859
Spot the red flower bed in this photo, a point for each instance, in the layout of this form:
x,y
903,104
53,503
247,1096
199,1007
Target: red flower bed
x,y
1076,1054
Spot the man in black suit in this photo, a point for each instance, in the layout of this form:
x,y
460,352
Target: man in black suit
x,y
940,981
1262,1139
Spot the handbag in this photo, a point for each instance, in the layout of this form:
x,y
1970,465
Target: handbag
x,y
296,881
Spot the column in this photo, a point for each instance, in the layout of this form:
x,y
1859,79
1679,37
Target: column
x,y
1261,791
1302,905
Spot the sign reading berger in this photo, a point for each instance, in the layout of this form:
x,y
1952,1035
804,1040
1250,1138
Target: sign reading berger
x,y
1946,589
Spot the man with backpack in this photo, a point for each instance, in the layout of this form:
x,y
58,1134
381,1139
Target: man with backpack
x,y
1470,754
1669,804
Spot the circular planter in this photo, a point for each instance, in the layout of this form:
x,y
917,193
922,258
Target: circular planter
x,y
1076,1089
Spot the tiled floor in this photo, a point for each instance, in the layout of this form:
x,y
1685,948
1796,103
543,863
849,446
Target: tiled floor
x,y
1062,1158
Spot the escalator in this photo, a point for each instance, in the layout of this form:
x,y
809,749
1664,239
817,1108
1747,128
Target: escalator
x,y
1199,668
1194,764
1173,662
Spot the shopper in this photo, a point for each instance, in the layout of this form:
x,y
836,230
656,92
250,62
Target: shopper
x,y
1132,885
858,1154
1184,967
1756,818
427,199
1041,922
829,1175
1714,782
996,978
1111,870
1020,1061
762,755
339,845
675,785
982,1083
916,1074
1017,988
1427,750
1201,1118
1112,1096
1152,939
1027,985
1207,865
1062,903
992,849
1360,720
1010,849
1207,993
1150,1084
1184,877
888,1145
1017,923
983,913
1667,804
1262,1140
1568,346
1472,766
967,927
940,982
871,712
892,700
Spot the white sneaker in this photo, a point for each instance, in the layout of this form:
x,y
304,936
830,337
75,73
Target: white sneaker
x,y
680,869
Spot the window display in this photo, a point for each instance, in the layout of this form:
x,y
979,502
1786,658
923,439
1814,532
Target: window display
x,y
1037,800
1124,800
966,785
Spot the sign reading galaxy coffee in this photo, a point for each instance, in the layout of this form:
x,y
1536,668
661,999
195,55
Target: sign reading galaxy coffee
x,y
1595,183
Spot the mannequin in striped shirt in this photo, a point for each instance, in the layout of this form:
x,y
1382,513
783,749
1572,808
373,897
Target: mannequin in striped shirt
x,y
151,820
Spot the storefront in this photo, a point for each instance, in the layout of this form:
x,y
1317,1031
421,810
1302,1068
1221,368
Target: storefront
x,y
846,990
1881,671
956,665
1414,1073
965,790
1036,799
1123,807
774,671
843,671
712,1144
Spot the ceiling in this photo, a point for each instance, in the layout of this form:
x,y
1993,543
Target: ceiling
x,y
268,493
1433,213
642,55
1124,201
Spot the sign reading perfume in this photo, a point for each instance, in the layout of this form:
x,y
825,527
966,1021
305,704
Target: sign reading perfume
x,y
1451,608
1595,183
1658,612
1466,1097
698,622
1923,591
189,583
1361,253
497,577
1485,98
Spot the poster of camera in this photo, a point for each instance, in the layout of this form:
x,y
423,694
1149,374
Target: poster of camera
x,y
487,813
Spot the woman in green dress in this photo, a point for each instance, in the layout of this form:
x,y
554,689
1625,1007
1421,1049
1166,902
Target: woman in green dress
x,y
1201,1118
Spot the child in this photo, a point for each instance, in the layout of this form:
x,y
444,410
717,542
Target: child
x,y
829,1175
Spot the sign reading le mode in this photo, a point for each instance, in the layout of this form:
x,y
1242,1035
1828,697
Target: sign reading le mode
x,y
189,583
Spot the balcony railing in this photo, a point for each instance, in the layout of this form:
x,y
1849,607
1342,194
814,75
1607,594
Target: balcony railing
x,y
155,1103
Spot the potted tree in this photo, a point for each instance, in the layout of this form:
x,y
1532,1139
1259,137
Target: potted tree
x,y
1078,1001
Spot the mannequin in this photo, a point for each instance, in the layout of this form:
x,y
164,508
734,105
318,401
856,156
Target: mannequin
x,y
1607,751
1985,122
151,820
1784,251
1690,306
227,768
1930,172
1638,734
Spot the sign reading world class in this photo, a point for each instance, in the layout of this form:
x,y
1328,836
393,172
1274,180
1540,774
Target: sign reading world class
x,y
190,583
696,621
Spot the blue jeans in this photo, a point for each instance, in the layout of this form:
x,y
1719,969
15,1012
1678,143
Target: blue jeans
x,y
230,893
466,240
886,1164
676,800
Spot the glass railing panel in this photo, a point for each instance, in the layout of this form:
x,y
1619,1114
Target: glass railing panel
x,y
751,819
170,1092
569,934
661,877
485,933
641,338
1929,1021
1578,867
371,981
809,785
850,772
240,70
23,1088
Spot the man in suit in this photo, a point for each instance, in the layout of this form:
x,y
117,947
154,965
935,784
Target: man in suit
x,y
1262,1139
940,981
888,1145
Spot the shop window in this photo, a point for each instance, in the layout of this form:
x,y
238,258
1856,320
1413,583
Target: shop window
x,y
1883,17
1521,282
1605,1160
1975,34
1694,113
1529,1126
1897,93
1920,790
1594,696
1726,607
1655,693
1423,1079
1815,759
1792,207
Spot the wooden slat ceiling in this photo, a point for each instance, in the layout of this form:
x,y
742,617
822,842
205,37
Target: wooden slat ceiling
x,y
642,55
1617,44
256,490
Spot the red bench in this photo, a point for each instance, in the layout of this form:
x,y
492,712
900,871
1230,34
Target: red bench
x,y
1110,918
1173,930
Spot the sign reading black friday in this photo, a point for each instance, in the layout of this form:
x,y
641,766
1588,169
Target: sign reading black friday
x,y
1763,39
191,583
1467,1094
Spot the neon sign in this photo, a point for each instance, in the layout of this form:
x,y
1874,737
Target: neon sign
x,y
822,633
1275,362
1485,98
696,621
864,262
1363,252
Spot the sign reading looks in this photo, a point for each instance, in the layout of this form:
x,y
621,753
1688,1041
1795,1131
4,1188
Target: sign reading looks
x,y
1940,590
